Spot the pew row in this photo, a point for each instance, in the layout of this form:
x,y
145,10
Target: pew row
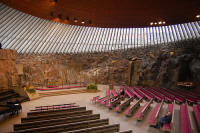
x,y
143,110
66,127
113,103
98,99
157,96
124,105
53,116
178,99
146,94
133,107
108,100
185,120
38,113
196,109
52,106
100,129
169,126
137,93
129,131
56,121
155,114
168,98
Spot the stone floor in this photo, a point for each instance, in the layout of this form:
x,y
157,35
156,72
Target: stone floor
x,y
84,100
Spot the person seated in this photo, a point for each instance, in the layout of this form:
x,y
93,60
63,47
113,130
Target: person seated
x,y
122,93
164,120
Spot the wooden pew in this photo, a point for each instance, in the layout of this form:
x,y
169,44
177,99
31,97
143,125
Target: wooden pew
x,y
146,94
129,93
155,114
196,109
108,101
108,94
142,111
100,129
53,116
168,97
38,113
128,131
133,107
56,121
67,127
157,96
53,106
114,102
124,105
94,99
176,96
169,127
139,95
185,121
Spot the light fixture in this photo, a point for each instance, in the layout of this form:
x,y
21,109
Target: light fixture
x,y
75,20
155,23
151,23
197,16
83,22
164,22
160,22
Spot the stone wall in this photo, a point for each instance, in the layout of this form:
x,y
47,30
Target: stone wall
x,y
8,71
158,66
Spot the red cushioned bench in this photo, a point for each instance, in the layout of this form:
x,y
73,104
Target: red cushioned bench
x,y
168,97
196,109
146,94
168,126
124,105
156,95
128,93
142,111
139,95
155,114
135,105
109,100
114,93
185,120
108,94
113,103
176,96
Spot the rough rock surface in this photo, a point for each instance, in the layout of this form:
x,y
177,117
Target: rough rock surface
x,y
8,71
163,66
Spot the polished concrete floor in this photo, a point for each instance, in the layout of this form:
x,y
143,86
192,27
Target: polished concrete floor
x,y
84,100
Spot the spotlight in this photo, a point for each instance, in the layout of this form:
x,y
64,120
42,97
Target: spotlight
x,y
197,16
155,23
160,22
75,20
83,22
151,23
164,22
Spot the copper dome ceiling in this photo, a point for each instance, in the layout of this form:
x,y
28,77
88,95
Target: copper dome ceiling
x,y
111,13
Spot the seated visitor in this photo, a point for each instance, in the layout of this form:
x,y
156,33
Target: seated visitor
x,y
122,93
164,120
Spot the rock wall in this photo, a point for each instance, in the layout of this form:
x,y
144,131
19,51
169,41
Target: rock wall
x,y
8,71
158,66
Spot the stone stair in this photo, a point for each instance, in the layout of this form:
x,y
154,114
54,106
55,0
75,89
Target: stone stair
x,y
64,92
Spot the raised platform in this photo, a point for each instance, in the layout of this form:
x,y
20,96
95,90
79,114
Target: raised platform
x,y
61,88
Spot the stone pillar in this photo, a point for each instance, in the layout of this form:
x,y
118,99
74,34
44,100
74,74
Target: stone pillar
x,y
133,71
